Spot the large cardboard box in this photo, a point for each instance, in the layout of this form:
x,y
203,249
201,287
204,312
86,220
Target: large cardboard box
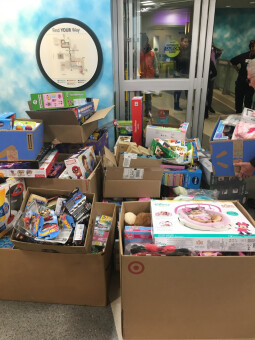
x,y
132,182
63,126
19,145
77,279
52,247
185,297
225,152
92,185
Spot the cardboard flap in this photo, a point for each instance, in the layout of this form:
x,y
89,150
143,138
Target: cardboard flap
x,y
55,117
99,115
109,157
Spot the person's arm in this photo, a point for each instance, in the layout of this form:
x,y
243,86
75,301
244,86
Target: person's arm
x,y
235,61
246,168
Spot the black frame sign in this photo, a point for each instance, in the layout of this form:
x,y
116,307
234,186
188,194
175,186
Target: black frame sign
x,y
69,54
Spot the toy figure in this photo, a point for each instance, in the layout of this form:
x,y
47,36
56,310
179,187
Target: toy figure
x,y
77,171
243,228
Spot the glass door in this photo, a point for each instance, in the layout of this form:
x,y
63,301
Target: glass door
x,y
161,49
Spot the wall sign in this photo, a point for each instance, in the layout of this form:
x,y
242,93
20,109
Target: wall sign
x,y
69,54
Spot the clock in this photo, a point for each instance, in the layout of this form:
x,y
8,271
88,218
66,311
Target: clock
x,y
69,54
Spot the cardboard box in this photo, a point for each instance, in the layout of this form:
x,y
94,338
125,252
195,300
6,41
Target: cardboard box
x,y
63,127
77,279
137,120
54,100
52,247
99,144
185,297
130,182
42,172
229,188
7,120
225,153
132,160
21,145
92,185
165,132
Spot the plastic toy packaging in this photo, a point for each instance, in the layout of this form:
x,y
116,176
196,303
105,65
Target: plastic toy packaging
x,y
231,120
198,195
101,232
24,125
245,129
176,152
155,250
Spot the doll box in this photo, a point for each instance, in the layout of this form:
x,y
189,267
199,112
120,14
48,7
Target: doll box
x,y
197,297
201,226
63,127
225,152
17,145
50,277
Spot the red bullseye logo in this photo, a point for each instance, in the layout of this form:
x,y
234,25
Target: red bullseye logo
x,y
136,267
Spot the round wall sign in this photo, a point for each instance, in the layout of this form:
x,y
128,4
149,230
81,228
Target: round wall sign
x,y
69,54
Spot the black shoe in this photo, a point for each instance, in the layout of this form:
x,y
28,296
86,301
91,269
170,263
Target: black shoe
x,y
211,110
178,108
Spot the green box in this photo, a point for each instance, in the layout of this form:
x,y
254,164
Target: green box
x,y
57,100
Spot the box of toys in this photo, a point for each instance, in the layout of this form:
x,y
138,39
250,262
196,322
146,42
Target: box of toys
x,y
21,143
52,277
48,218
206,282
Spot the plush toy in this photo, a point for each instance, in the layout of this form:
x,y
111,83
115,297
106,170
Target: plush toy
x,y
142,219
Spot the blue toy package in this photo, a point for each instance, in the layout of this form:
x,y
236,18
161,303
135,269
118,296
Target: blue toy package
x,y
67,221
219,134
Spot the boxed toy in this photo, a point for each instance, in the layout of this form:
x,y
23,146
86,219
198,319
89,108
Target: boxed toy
x,y
165,132
123,128
99,139
202,226
21,144
137,120
83,112
11,197
82,163
11,169
188,178
55,100
162,116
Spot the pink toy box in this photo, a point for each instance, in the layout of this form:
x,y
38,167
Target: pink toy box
x,y
202,226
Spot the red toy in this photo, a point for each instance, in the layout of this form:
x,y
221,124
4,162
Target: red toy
x,y
77,171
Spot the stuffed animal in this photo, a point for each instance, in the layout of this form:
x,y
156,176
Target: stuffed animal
x,y
141,219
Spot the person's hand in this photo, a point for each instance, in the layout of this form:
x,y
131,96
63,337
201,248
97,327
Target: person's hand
x,y
246,169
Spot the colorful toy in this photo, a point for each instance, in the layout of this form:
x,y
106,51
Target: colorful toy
x,y
49,231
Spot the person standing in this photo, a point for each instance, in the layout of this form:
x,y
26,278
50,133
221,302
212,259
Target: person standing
x,y
243,92
148,68
182,61
247,168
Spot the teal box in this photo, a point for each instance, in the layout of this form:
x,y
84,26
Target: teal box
x,y
57,100
225,152
21,145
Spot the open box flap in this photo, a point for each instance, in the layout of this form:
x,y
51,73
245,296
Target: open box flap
x,y
101,114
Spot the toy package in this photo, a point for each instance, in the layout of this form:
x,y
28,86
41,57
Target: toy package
x,y
77,206
202,226
101,232
11,197
57,100
136,234
82,163
7,120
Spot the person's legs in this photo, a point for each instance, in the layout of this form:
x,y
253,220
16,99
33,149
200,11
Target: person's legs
x,y
248,97
177,95
210,95
239,97
147,104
